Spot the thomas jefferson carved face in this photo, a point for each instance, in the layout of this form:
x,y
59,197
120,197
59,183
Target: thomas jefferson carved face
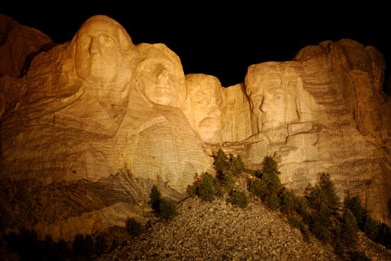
x,y
159,76
159,84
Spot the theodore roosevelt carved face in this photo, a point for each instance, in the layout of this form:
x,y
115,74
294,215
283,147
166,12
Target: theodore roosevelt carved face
x,y
204,112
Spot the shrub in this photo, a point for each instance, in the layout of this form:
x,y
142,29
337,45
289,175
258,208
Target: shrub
x,y
133,227
272,201
207,188
358,256
191,190
168,209
239,198
257,187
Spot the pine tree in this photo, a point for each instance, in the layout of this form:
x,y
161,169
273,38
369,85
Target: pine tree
x,y
349,228
155,198
207,188
269,165
221,163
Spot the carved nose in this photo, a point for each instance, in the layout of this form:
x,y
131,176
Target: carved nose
x,y
214,113
94,45
262,107
163,76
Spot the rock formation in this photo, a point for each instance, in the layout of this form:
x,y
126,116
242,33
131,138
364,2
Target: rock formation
x,y
94,122
325,112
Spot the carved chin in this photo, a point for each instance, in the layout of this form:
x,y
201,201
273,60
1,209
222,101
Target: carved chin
x,y
163,101
268,125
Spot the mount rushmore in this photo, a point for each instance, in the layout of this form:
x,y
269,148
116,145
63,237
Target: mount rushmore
x,y
89,125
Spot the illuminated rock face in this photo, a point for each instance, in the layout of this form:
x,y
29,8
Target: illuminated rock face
x,y
101,120
325,112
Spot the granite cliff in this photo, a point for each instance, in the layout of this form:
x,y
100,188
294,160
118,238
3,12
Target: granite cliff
x,y
89,125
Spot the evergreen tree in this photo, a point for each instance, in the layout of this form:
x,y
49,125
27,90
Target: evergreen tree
x,y
349,228
82,247
237,165
258,187
221,164
359,212
207,188
288,201
330,196
272,182
155,198
324,193
272,201
229,180
100,245
269,165
133,227
319,223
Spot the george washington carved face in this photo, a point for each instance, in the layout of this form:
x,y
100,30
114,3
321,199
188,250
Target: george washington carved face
x,y
100,50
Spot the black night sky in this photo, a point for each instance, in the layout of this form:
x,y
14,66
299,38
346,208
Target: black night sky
x,y
219,39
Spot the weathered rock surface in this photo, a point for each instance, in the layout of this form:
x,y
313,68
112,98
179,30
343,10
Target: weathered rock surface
x,y
325,112
18,46
92,123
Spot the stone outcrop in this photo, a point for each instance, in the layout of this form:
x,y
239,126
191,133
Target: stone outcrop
x,y
93,123
18,46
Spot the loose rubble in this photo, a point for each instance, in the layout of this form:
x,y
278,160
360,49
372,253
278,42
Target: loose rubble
x,y
219,231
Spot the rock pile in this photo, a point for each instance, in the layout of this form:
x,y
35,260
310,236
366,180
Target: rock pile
x,y
219,231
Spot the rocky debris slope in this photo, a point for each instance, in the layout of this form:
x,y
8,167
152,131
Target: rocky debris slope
x,y
219,231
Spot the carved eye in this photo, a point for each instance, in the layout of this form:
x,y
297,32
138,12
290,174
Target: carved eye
x,y
278,97
107,40
84,42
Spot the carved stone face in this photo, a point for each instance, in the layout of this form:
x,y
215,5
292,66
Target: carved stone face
x,y
278,108
99,50
159,76
205,98
159,84
272,97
